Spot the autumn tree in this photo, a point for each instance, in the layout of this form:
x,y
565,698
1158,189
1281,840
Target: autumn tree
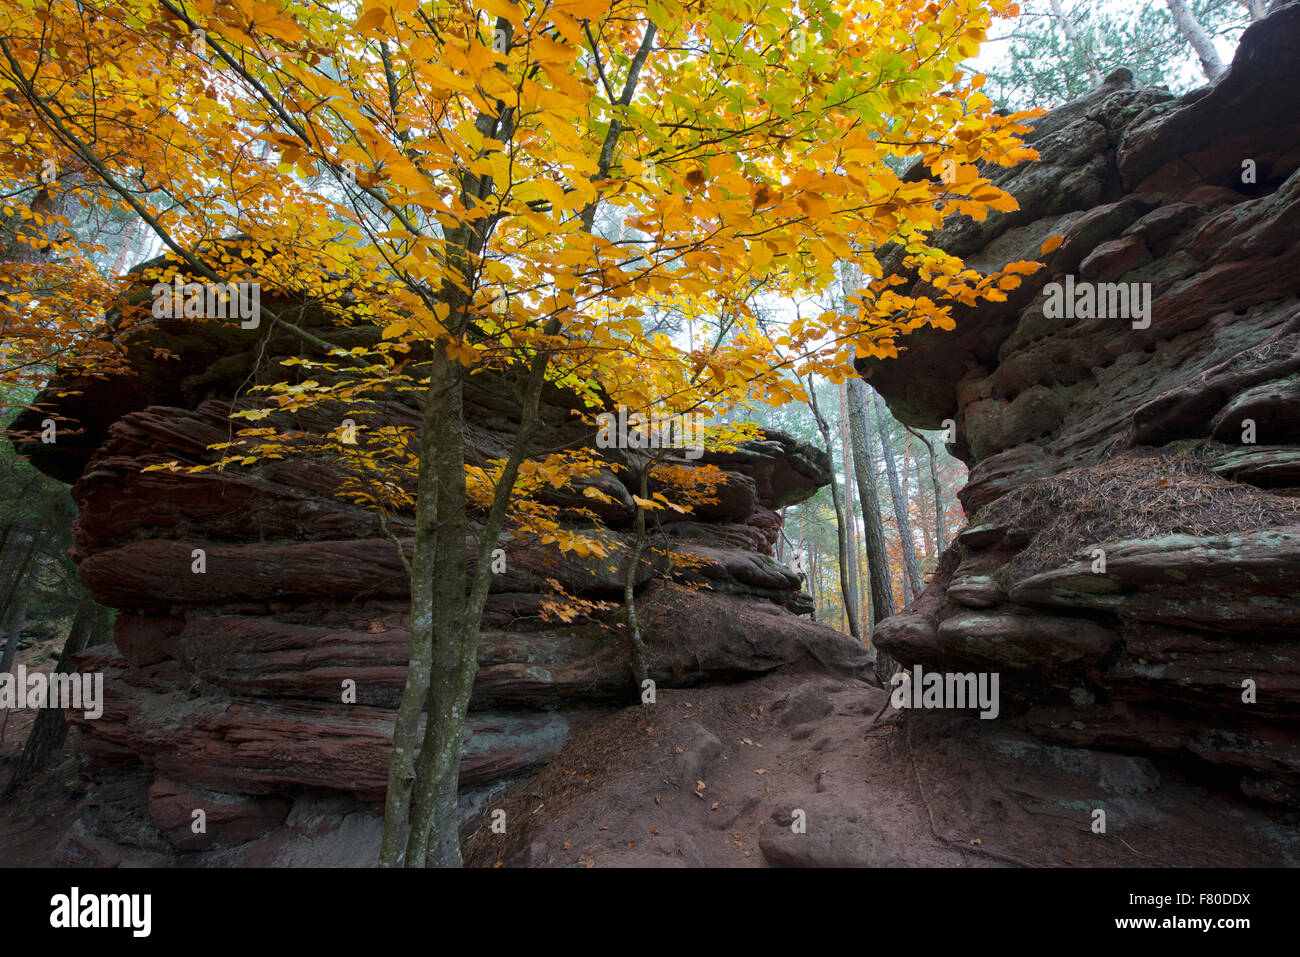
x,y
452,174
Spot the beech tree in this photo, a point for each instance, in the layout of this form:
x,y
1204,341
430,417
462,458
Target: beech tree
x,y
436,170
841,518
898,496
880,582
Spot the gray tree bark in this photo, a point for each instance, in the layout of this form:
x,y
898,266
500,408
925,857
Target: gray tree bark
x,y
940,534
11,645
446,605
841,529
639,656
1195,35
879,580
912,571
850,506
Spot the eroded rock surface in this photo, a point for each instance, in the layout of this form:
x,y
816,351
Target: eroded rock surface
x,y
1132,562
226,689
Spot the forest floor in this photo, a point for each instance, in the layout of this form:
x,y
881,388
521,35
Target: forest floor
x,y
33,822
716,777
796,770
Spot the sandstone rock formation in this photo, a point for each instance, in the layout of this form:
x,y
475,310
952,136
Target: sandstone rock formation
x,y
224,689
1133,552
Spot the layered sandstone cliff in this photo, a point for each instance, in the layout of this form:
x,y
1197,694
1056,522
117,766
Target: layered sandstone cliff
x,y
1132,562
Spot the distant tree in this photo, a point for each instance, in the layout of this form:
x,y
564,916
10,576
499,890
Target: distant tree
x,y
911,570
878,574
841,521
1060,49
1192,31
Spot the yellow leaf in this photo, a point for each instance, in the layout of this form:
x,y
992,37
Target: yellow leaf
x,y
814,205
503,8
372,19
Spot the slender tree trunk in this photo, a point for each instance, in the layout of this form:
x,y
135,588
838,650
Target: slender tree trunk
x,y
11,646
16,571
841,529
1076,41
1258,8
49,730
814,579
881,588
640,668
912,573
800,554
912,469
940,533
442,571
401,768
850,510
455,610
444,620
130,237
1195,35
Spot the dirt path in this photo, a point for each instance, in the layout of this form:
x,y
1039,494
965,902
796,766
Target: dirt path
x,y
788,770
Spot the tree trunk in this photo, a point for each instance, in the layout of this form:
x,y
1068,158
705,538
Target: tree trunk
x,y
446,607
640,668
11,646
1195,35
401,768
16,571
50,729
1076,41
881,587
912,573
439,591
814,579
912,468
444,620
850,510
841,530
940,534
